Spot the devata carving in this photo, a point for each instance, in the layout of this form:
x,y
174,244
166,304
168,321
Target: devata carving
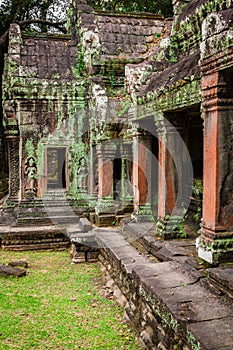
x,y
30,175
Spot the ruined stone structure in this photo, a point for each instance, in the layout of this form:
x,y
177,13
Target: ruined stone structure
x,y
126,114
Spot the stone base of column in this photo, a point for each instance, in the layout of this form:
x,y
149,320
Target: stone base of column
x,y
83,199
126,204
10,209
105,212
170,227
215,247
143,214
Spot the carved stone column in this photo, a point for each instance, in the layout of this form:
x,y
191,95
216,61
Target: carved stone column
x,y
92,185
14,171
166,181
215,244
105,207
142,158
126,177
216,241
173,181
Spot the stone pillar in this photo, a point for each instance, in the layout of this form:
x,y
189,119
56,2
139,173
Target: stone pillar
x,y
142,158
14,171
126,197
105,207
166,183
10,114
172,181
12,141
92,189
215,244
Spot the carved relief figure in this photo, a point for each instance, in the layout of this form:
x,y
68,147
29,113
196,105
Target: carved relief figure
x,y
82,175
30,176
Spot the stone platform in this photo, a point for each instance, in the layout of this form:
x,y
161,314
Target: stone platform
x,y
170,298
44,237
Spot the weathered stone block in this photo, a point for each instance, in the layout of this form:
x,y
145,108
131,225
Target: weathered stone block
x,y
92,257
85,224
79,257
7,271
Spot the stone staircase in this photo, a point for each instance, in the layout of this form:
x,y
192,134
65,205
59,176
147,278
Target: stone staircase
x,y
42,223
33,238
53,208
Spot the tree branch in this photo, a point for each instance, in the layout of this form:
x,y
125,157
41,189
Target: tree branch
x,y
57,25
4,37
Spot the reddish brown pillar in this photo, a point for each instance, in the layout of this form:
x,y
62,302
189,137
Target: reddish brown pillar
x,y
166,180
216,241
105,208
142,158
166,187
174,180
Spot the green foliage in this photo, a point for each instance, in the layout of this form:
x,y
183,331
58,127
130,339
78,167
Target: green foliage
x,y
79,70
22,10
59,306
55,10
160,7
198,194
198,189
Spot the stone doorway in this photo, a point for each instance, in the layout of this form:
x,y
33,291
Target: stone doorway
x,y
56,168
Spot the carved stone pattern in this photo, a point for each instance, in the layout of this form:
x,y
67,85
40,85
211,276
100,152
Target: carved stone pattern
x,y
13,152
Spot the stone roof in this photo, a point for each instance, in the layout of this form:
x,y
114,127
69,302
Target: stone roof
x,y
190,8
128,33
48,56
185,69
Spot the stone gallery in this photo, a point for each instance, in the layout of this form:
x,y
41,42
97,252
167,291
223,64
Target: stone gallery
x,y
128,113
128,119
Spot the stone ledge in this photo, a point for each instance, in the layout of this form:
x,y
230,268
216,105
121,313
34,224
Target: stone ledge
x,y
222,278
168,303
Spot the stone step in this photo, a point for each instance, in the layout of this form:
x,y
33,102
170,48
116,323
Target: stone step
x,y
46,220
222,278
46,212
38,246
85,224
29,238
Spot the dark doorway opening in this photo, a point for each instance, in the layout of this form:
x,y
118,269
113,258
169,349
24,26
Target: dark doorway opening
x,y
148,127
56,168
117,173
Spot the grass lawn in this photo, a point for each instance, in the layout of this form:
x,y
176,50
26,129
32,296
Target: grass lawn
x,y
58,306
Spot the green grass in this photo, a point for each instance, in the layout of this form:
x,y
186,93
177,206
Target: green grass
x,y
58,306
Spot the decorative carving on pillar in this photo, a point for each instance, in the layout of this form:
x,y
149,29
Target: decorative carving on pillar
x,y
82,175
13,158
12,139
30,178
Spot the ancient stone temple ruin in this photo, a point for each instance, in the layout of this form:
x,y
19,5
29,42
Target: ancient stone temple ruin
x,y
129,118
128,113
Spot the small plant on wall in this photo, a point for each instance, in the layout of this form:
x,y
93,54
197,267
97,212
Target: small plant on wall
x,y
197,197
